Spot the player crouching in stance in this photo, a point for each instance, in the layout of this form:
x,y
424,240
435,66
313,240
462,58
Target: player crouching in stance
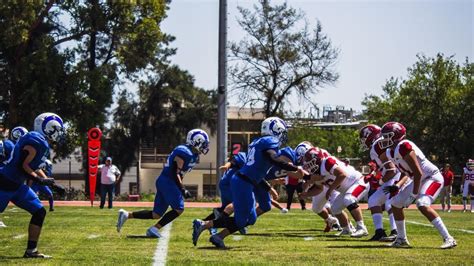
x,y
468,186
30,152
262,154
334,175
170,190
426,185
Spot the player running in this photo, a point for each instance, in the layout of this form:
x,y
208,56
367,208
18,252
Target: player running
x,y
262,154
425,188
29,154
468,186
170,190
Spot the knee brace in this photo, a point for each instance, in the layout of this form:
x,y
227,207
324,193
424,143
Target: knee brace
x,y
38,217
352,206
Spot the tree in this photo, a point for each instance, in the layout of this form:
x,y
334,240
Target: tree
x,y
278,58
435,103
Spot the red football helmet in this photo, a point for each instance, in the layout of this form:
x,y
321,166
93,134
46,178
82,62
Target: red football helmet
x,y
470,164
367,136
312,160
392,133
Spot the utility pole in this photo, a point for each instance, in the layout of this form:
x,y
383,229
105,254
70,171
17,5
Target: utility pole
x,y
222,90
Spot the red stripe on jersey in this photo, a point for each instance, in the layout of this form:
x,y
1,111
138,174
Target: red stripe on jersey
x,y
329,164
405,148
358,190
433,188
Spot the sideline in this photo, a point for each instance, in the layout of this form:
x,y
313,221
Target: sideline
x,y
162,248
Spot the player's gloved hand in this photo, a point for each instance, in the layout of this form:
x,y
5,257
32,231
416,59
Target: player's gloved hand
x,y
411,199
46,181
392,190
186,193
367,178
60,189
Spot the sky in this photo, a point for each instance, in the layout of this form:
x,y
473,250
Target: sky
x,y
377,39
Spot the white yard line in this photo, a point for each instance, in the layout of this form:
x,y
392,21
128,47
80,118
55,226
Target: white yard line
x,y
430,225
162,248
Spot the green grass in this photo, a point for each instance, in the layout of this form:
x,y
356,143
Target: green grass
x,y
85,236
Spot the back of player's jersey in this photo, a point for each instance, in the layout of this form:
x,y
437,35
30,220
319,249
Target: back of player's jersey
x,y
258,163
13,169
189,158
276,172
403,148
468,174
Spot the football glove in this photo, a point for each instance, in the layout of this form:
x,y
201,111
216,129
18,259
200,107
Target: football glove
x,y
392,190
46,181
186,193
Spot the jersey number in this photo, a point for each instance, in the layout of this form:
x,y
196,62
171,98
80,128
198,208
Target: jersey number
x,y
251,156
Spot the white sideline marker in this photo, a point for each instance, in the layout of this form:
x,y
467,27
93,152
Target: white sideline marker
x,y
430,225
162,248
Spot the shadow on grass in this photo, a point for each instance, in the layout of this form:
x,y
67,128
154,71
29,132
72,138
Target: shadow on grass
x,y
288,235
141,236
361,246
218,249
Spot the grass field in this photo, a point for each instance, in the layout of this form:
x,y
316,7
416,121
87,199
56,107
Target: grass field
x,y
82,235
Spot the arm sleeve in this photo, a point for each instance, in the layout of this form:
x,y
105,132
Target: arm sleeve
x,y
272,155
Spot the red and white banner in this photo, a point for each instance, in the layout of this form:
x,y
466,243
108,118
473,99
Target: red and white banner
x,y
93,152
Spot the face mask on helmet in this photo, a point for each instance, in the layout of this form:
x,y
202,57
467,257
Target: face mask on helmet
x,y
198,139
312,160
274,126
470,164
386,141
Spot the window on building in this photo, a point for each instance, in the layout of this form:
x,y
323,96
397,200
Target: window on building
x,y
209,185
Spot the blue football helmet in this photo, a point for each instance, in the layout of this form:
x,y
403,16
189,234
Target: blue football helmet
x,y
198,139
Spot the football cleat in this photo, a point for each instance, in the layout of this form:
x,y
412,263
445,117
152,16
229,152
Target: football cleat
x,y
391,237
198,227
217,241
153,232
122,217
2,225
345,232
35,255
449,243
284,210
379,234
400,243
360,232
243,230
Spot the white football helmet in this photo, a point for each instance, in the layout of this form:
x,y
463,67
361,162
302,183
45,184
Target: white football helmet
x,y
300,151
17,133
275,126
51,126
198,139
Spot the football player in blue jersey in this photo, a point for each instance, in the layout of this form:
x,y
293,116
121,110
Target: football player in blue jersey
x,y
233,165
29,154
170,190
262,154
6,148
44,189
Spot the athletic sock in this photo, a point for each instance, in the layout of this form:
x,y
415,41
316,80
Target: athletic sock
x,y
377,218
168,217
401,230
210,217
464,202
31,245
51,203
360,224
143,214
393,225
439,225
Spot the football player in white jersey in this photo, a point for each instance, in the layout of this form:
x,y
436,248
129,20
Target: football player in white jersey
x,y
425,188
369,137
343,179
468,186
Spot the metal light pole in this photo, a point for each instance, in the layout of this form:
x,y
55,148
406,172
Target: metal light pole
x,y
222,89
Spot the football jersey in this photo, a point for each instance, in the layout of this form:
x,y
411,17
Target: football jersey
x,y
13,170
189,158
468,174
258,163
327,167
8,147
403,148
275,171
375,152
238,160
